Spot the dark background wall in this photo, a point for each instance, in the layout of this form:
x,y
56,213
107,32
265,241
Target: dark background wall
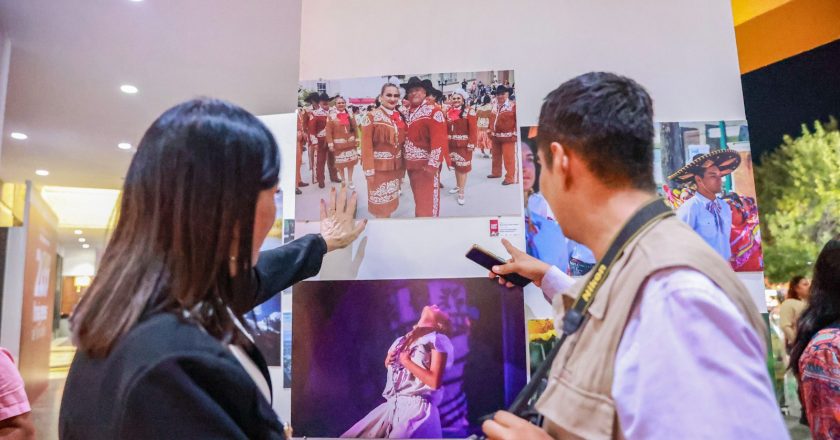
x,y
781,97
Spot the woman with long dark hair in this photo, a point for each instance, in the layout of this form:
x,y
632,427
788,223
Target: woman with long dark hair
x,y
815,356
161,350
792,307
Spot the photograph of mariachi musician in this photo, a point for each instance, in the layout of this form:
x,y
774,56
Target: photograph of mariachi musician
x,y
414,138
710,184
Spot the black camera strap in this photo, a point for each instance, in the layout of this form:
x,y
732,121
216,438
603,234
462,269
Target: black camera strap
x,y
575,317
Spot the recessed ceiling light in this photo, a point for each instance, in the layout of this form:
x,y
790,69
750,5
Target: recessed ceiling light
x,y
85,246
82,239
78,232
19,136
124,146
42,172
128,88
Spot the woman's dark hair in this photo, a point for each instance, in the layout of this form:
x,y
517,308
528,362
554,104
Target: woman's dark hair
x,y
824,305
791,292
486,100
607,120
189,198
531,143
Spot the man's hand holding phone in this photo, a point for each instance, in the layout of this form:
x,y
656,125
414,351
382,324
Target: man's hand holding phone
x,y
520,263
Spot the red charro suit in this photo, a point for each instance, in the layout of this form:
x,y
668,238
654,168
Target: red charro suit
x,y
424,147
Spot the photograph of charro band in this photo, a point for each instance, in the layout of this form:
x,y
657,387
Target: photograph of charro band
x,y
412,145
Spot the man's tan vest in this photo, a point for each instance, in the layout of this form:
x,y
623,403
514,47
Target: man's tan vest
x,y
577,402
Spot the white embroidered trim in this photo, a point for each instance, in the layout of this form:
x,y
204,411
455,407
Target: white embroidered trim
x,y
438,116
422,112
382,155
313,139
380,116
322,133
434,157
384,193
413,152
458,137
436,195
340,141
459,160
368,173
345,156
505,134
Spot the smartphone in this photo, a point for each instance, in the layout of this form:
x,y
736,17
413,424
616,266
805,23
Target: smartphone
x,y
487,260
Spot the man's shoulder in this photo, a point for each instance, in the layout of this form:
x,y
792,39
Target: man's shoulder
x,y
672,243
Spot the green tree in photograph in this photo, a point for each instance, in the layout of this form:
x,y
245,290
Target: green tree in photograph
x,y
798,187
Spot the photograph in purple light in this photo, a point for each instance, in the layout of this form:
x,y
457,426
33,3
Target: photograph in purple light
x,y
404,358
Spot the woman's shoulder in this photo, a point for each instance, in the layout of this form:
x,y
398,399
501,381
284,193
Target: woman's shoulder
x,y
165,337
826,340
824,347
438,340
793,303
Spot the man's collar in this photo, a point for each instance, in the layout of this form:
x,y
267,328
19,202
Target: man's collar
x,y
703,198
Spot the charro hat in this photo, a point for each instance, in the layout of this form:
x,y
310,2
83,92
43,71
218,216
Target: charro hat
x,y
502,89
725,160
416,82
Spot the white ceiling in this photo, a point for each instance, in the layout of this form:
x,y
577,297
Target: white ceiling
x,y
69,59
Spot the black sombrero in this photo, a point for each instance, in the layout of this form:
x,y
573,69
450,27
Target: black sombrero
x,y
726,160
416,82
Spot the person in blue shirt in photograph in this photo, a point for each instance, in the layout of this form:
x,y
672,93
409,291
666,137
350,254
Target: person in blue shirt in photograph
x,y
544,239
706,213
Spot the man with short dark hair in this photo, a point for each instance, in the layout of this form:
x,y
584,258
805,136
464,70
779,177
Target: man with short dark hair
x,y
671,345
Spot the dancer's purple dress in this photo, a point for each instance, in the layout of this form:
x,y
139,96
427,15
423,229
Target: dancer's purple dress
x,y
410,408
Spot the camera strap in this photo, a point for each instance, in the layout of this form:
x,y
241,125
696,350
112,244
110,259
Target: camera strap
x,y
575,317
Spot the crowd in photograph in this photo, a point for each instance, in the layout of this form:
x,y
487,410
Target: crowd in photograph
x,y
411,130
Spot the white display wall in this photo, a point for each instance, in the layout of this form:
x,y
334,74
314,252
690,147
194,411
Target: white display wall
x,y
682,51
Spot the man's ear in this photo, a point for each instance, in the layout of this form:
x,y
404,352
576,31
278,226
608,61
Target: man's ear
x,y
559,157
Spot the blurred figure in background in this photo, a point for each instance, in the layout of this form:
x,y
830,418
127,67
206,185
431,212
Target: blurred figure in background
x,y
815,356
14,406
799,290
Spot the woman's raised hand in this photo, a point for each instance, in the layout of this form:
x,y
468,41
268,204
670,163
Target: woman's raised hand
x,y
338,225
